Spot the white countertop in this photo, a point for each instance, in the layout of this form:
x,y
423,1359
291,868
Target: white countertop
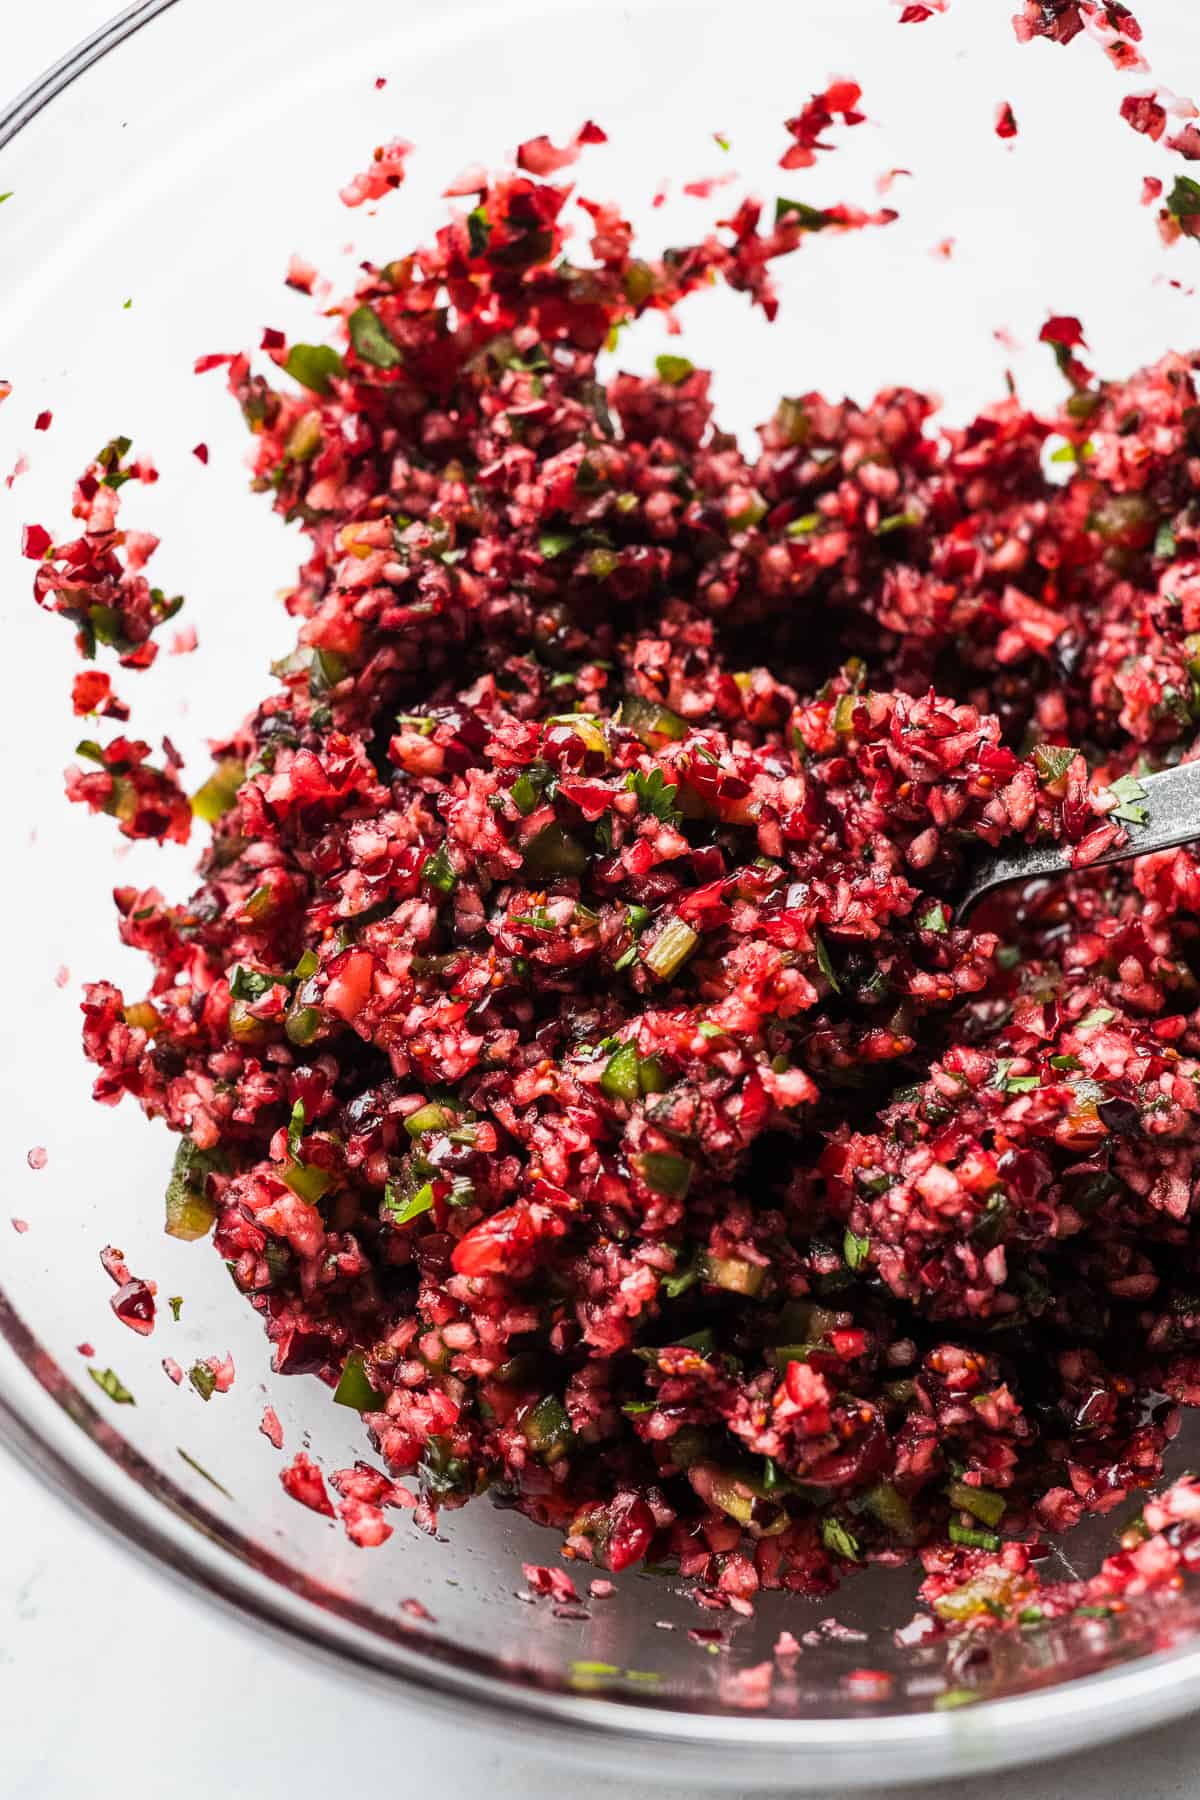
x,y
109,1676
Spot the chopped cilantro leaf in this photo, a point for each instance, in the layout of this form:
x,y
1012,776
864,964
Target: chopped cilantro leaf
x,y
1052,761
1128,791
655,794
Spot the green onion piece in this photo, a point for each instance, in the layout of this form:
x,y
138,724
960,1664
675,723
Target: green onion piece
x,y
664,1172
648,720
837,1538
370,339
189,1215
888,1505
439,871
295,1130
620,1078
214,798
733,1273
973,1540
353,1388
671,949
982,1503
679,1282
404,1208
554,852
312,365
547,1429
308,1181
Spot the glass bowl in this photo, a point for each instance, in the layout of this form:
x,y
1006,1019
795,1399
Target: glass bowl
x,y
161,176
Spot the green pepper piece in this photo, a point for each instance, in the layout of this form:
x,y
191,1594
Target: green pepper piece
x,y
354,1389
664,1172
620,1078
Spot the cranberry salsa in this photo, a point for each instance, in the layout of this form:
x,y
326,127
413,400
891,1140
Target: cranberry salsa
x,y
575,1052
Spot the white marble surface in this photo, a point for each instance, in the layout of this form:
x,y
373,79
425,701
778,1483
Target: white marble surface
x,y
99,1657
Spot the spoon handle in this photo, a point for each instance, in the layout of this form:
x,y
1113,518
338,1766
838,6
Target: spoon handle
x,y
1169,807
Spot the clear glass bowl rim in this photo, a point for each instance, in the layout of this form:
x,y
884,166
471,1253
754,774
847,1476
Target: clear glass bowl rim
x,y
713,1749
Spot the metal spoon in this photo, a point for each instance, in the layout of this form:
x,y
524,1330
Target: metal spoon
x,y
1170,802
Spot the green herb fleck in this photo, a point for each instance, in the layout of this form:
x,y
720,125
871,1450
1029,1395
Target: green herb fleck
x,y
554,543
201,1470
835,1537
439,871
1183,201
202,1379
1128,791
825,964
655,794
856,1250
795,212
479,230
1052,761
404,1208
110,1383
371,341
